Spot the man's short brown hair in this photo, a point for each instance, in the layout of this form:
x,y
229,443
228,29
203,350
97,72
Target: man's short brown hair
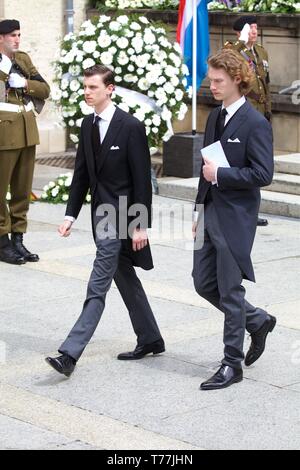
x,y
236,67
106,73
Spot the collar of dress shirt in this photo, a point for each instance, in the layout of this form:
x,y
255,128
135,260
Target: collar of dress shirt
x,y
107,114
232,109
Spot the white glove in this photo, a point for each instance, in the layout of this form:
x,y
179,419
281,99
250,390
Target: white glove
x,y
5,64
245,33
15,81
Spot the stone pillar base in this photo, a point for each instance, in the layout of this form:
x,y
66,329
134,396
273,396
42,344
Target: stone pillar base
x,y
181,155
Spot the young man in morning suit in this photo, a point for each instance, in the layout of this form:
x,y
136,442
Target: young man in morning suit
x,y
112,161
231,198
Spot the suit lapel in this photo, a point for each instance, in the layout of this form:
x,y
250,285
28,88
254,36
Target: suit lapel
x,y
88,145
211,128
235,122
111,135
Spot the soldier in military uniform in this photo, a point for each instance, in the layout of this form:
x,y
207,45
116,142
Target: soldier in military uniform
x,y
22,93
259,95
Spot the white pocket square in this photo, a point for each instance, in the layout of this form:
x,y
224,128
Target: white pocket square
x,y
115,147
235,141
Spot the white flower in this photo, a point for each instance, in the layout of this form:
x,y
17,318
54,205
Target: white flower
x,y
115,26
185,70
88,198
54,192
46,188
104,41
60,182
56,93
104,19
74,85
144,20
143,84
156,120
71,123
166,115
123,19
149,38
118,70
168,87
85,109
87,63
74,70
106,58
152,77
113,50
68,181
65,197
123,58
179,95
51,185
137,44
175,81
89,46
122,43
130,78
135,26
44,196
96,55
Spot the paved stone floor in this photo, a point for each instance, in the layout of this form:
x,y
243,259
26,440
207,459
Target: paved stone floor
x,y
154,403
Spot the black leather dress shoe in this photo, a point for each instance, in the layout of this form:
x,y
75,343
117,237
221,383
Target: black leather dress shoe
x,y
63,364
8,254
225,377
17,243
258,343
262,222
141,351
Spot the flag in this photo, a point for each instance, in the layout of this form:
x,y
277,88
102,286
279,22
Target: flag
x,y
185,37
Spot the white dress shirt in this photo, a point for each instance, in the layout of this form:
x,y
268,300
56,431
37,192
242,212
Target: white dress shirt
x,y
105,120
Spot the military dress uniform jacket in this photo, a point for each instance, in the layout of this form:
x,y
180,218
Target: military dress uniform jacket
x,y
19,129
259,95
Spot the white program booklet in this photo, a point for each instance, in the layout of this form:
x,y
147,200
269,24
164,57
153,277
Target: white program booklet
x,y
216,153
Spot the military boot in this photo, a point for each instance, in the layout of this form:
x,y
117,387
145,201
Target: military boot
x,y
8,254
17,243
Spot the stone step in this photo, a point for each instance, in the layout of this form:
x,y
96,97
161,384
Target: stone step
x,y
275,203
288,164
285,183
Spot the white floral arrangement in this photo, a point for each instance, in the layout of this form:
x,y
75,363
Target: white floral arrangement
x,y
277,6
57,192
134,4
144,61
255,6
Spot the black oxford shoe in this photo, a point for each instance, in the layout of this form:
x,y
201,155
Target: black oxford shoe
x,y
262,222
258,342
63,364
141,351
225,377
17,243
9,255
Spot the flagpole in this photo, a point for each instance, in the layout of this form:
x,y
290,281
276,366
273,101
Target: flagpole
x,y
194,103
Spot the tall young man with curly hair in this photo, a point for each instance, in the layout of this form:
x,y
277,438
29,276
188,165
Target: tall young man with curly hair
x,y
231,198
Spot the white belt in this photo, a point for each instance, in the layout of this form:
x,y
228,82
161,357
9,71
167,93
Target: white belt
x,y
15,108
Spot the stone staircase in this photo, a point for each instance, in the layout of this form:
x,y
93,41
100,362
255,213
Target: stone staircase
x,y
282,197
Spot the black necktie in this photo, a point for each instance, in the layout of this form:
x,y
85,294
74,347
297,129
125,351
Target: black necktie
x,y
96,142
220,124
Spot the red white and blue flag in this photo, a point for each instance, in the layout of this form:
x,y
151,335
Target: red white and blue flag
x,y
185,37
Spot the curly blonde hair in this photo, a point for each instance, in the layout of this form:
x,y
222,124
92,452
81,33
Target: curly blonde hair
x,y
236,67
